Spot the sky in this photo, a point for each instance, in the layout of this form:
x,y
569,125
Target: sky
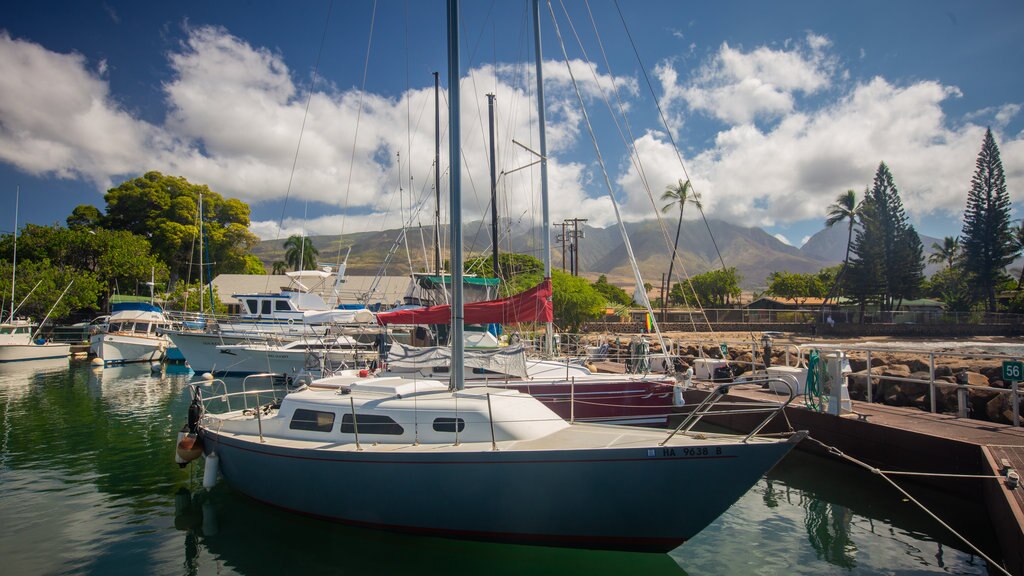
x,y
320,115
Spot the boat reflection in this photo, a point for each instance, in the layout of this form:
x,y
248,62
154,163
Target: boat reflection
x,y
17,378
256,539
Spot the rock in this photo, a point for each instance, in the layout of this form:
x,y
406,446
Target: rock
x,y
999,409
918,365
943,371
857,382
991,372
978,400
859,364
977,379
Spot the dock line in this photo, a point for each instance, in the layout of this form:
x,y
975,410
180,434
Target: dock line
x,y
837,452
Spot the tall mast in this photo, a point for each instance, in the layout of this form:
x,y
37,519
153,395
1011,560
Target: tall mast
x,y
455,179
14,267
494,190
200,253
437,175
546,216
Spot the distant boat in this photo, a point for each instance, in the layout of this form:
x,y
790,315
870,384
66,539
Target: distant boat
x,y
133,334
16,344
480,463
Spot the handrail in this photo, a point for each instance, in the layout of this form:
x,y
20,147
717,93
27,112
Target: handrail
x,y
704,408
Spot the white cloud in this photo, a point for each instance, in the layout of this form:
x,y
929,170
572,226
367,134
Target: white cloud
x,y
738,87
805,239
783,239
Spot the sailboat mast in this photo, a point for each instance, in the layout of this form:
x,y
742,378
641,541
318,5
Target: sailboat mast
x,y
14,266
455,179
494,190
546,215
437,174
200,252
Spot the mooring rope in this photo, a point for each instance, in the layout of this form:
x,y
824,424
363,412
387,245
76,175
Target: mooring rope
x,y
885,475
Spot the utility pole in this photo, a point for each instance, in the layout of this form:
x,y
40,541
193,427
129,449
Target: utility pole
x,y
437,175
574,250
494,190
560,238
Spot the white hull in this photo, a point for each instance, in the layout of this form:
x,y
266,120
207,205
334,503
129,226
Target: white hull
x,y
118,348
21,352
261,359
200,349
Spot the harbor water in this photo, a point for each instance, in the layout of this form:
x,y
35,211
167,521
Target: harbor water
x,y
88,485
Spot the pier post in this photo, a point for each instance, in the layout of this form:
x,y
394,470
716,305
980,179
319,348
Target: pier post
x,y
1016,403
871,396
931,380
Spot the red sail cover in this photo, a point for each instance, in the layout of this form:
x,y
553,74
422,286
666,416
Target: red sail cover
x,y
533,305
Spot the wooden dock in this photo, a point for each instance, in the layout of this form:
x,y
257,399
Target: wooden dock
x,y
910,440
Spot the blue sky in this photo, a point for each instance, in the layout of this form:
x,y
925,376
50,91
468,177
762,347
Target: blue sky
x,y
776,107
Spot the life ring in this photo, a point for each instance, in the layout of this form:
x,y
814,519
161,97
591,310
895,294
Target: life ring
x,y
291,321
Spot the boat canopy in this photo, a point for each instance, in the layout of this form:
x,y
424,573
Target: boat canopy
x,y
134,307
533,305
509,360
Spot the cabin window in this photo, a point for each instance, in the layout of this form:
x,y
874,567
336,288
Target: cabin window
x,y
115,327
313,420
282,306
371,424
449,425
441,369
265,307
253,306
142,326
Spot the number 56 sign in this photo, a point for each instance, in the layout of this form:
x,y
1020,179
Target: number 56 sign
x,y
1013,371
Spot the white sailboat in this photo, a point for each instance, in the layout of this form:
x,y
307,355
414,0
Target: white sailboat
x,y
481,463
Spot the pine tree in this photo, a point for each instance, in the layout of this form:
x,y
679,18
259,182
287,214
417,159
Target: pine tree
x,y
987,239
888,261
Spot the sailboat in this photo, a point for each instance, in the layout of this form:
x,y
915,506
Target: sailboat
x,y
481,463
17,340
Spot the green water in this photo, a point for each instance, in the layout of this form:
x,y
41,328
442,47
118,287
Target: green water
x,y
88,486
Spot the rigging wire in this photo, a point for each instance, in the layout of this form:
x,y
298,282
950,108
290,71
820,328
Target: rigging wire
x,y
355,135
668,130
302,130
607,181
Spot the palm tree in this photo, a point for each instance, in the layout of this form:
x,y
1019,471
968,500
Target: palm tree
x,y
279,267
678,195
300,253
848,209
1017,234
948,252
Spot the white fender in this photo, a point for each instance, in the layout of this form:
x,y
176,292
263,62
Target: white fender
x,y
211,470
178,459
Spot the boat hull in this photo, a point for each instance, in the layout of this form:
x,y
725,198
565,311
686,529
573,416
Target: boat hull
x,y
123,349
599,499
23,352
200,349
619,401
259,360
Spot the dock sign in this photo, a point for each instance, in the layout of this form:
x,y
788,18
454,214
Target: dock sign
x,y
1013,371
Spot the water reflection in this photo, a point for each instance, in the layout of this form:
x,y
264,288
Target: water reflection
x,y
86,469
235,529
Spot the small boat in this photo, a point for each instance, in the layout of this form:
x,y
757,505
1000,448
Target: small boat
x,y
315,355
16,344
133,334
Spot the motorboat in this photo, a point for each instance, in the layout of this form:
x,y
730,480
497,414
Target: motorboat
x,y
134,334
307,355
17,344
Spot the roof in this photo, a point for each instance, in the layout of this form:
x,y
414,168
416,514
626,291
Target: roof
x,y
788,302
389,290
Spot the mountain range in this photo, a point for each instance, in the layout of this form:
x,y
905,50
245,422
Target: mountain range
x,y
752,251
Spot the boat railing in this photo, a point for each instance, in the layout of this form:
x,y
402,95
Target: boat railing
x,y
246,395
712,405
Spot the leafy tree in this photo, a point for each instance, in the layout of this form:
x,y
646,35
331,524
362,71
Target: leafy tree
x,y
300,253
511,265
84,216
986,237
947,253
796,286
677,196
253,265
575,301
165,209
51,280
712,288
279,267
951,286
186,297
1018,246
611,292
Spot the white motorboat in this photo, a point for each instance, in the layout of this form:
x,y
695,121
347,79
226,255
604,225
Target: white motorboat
x,y
134,334
314,355
16,344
